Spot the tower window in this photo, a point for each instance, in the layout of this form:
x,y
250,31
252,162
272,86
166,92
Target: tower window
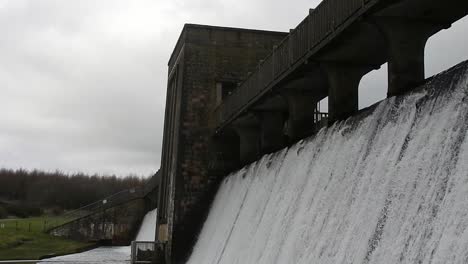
x,y
224,89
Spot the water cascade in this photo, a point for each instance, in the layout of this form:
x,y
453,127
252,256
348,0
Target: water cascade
x,y
387,186
114,255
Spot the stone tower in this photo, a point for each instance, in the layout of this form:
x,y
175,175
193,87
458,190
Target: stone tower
x,y
206,65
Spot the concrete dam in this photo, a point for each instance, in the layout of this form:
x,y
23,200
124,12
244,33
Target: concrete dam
x,y
389,185
253,171
340,185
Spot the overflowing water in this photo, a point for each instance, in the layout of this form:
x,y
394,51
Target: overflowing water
x,y
388,186
114,255
147,230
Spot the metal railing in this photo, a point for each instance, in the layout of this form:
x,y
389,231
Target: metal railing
x,y
98,206
105,203
301,43
146,252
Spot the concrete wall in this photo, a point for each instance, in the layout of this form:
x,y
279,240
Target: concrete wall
x,y
116,221
115,226
205,59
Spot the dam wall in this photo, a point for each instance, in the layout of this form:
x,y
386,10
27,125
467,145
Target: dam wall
x,y
389,185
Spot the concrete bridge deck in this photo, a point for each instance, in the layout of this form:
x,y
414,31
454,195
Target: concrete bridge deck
x,y
327,54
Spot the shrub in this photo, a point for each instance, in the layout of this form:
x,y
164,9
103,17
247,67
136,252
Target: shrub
x,y
22,210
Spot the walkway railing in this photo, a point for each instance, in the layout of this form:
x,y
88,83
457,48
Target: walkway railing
x,y
307,38
98,206
105,203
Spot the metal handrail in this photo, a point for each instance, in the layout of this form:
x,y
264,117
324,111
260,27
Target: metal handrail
x,y
97,206
325,19
105,203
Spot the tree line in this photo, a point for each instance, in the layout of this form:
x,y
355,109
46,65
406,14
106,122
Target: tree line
x,y
60,190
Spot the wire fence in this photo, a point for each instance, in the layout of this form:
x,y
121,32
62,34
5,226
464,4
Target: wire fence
x,y
34,224
47,223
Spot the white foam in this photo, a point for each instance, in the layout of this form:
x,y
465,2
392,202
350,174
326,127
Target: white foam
x,y
147,230
392,188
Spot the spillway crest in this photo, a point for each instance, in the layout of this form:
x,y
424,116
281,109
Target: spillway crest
x,y
387,186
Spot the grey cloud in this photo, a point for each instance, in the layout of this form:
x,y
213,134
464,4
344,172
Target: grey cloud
x,y
83,82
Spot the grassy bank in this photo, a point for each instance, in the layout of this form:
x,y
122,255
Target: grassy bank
x,y
25,239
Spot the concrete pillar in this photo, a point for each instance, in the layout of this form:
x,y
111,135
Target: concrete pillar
x,y
406,41
272,137
301,109
343,91
249,139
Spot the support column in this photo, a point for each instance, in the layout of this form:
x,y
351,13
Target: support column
x,y
271,130
343,91
301,109
248,131
406,41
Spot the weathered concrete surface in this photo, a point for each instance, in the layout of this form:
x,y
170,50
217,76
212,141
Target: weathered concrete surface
x,y
115,226
336,44
207,63
235,94
116,221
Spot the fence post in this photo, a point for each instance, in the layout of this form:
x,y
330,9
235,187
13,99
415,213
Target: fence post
x,y
291,47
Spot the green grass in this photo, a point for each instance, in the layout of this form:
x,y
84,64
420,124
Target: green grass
x,y
26,239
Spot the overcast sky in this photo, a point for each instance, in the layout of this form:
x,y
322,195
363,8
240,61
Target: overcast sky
x,y
82,83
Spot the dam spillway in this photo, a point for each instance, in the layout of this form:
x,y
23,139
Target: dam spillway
x,y
389,185
114,255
